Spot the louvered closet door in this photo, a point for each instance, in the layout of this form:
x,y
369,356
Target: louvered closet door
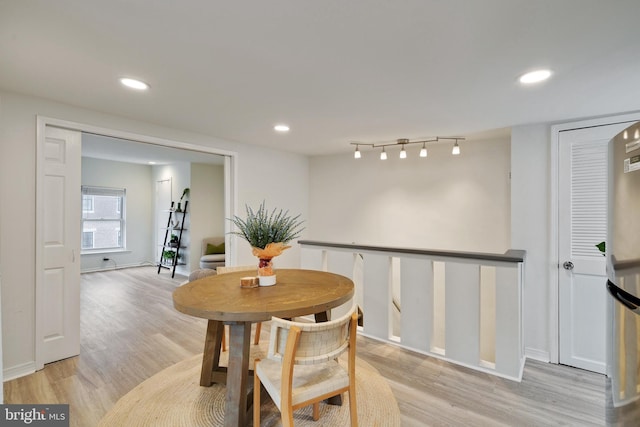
x,y
582,225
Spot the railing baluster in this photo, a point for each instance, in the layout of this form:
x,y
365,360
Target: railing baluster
x,y
508,321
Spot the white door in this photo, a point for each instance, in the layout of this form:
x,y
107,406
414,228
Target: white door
x,y
58,246
582,225
163,203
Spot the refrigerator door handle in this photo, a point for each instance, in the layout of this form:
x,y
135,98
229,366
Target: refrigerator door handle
x,y
630,301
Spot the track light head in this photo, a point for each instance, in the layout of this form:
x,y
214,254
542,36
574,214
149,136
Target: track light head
x,y
456,149
423,150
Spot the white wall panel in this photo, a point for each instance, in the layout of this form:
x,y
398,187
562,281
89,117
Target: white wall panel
x,y
377,295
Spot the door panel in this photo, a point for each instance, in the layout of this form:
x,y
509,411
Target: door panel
x,y
58,298
582,225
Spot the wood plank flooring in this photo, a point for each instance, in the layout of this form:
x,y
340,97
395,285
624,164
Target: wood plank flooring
x,y
130,331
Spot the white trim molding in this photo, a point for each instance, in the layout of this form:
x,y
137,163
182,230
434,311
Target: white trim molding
x,y
536,354
19,371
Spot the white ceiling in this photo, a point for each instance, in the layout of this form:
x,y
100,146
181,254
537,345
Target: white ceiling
x,y
334,70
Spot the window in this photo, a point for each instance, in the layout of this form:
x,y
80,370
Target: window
x,y
87,240
103,218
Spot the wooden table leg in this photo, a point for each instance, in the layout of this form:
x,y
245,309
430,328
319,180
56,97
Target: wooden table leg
x,y
211,354
323,316
237,374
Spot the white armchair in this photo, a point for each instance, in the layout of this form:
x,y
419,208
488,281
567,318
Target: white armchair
x,y
212,260
313,349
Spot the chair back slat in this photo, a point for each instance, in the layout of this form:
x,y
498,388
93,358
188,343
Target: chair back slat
x,y
318,342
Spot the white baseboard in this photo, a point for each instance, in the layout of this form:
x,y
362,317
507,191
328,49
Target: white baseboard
x,y
537,354
118,267
19,371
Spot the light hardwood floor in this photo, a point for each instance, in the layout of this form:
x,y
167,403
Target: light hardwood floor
x,y
130,331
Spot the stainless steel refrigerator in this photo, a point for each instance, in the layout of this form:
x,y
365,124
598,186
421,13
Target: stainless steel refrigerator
x,y
623,273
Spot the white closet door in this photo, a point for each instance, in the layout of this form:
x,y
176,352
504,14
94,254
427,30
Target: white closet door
x,y
583,224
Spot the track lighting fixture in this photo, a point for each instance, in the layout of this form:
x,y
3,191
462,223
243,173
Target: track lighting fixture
x,y
403,142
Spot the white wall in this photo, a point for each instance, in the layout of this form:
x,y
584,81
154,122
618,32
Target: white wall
x,y
136,179
441,202
273,176
279,178
207,213
530,195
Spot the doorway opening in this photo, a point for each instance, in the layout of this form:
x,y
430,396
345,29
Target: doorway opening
x,y
119,142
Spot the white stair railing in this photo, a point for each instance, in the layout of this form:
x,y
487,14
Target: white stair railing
x,y
463,307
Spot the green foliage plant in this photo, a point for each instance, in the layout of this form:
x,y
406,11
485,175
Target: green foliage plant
x,y
262,227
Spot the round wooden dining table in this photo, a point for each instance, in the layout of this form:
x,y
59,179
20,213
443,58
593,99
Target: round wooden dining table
x,y
221,300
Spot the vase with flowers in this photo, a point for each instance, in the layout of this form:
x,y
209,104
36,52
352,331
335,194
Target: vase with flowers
x,y
268,234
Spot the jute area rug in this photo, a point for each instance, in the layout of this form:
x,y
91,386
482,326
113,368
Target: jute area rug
x,y
174,397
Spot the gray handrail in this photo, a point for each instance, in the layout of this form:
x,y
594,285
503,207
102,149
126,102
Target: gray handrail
x,y
512,255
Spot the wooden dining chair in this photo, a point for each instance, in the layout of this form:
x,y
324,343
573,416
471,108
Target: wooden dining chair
x,y
312,348
224,270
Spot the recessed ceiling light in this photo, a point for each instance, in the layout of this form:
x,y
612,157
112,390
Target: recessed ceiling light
x,y
152,163
535,76
134,84
281,128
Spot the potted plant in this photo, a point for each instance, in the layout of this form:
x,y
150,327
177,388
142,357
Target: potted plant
x,y
174,240
268,234
168,256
